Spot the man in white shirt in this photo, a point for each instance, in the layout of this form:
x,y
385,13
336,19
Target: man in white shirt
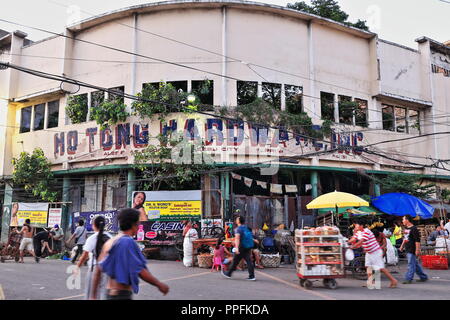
x,y
447,225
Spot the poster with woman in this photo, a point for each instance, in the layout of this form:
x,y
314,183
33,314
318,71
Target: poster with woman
x,y
36,212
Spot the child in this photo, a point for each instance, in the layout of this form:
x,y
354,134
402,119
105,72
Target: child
x,y
220,252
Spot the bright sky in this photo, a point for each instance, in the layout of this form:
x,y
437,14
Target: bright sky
x,y
400,21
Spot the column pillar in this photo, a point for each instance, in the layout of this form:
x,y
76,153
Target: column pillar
x,y
66,198
6,217
314,184
377,190
131,187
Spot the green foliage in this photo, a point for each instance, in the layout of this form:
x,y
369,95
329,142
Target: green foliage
x,y
173,101
158,166
33,171
77,108
395,182
109,112
329,9
445,194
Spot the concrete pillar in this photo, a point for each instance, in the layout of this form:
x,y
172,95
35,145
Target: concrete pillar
x,y
314,184
131,187
226,194
66,206
6,217
377,190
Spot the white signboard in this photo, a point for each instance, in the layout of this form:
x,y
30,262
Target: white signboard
x,y
54,217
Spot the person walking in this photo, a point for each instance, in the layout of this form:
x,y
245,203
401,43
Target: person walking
x,y
92,250
411,245
374,253
243,249
123,262
27,240
80,239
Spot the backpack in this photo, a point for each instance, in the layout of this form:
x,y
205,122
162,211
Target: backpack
x,y
247,239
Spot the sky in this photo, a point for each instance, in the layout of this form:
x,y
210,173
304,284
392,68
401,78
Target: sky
x,y
399,21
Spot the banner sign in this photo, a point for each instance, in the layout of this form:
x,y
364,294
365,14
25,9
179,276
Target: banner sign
x,y
111,225
161,233
54,217
36,212
169,205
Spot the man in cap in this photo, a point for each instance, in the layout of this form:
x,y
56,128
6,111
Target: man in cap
x,y
57,238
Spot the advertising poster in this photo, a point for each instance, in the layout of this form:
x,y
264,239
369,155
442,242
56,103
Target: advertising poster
x,y
111,225
54,217
160,233
168,205
36,212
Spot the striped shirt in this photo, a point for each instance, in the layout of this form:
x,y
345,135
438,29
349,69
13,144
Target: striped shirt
x,y
370,243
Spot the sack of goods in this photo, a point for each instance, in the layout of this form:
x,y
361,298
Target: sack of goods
x,y
442,244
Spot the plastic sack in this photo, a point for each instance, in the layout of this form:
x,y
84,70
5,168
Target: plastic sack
x,y
442,244
349,255
391,256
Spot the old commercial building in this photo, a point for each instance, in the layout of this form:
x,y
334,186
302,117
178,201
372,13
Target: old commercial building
x,y
291,59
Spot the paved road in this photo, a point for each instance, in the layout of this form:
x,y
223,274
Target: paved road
x,y
47,281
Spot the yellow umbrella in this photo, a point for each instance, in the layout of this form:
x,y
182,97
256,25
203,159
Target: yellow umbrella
x,y
337,200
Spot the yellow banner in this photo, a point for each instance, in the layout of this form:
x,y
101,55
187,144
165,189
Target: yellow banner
x,y
166,210
37,213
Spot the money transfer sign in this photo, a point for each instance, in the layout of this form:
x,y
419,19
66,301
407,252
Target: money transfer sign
x,y
36,212
169,205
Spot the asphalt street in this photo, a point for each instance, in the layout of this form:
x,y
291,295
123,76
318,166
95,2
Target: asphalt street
x,y
50,280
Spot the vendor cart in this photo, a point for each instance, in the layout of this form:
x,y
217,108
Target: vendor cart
x,y
319,256
11,250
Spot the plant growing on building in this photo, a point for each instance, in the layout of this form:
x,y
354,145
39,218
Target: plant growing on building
x,y
109,112
77,108
33,172
396,182
158,166
161,101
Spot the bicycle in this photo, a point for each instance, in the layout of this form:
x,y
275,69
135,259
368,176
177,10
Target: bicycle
x,y
211,231
358,266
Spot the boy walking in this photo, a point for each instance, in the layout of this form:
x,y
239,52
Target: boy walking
x,y
243,244
411,244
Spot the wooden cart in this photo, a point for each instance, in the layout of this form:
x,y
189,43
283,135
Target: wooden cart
x,y
319,257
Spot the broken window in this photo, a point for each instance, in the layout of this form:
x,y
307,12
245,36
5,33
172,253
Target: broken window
x,y
327,106
346,109
39,117
271,93
247,92
204,90
97,98
388,118
118,94
400,120
413,121
294,99
180,86
53,114
25,120
361,113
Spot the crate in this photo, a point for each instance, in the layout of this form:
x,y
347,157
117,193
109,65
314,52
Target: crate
x,y
435,263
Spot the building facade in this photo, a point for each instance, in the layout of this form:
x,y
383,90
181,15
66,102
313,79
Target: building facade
x,y
293,60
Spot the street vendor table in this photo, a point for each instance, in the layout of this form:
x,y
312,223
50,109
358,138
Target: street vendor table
x,y
209,242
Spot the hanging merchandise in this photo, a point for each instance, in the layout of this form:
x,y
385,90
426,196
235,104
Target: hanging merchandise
x,y
308,187
276,188
248,182
292,228
291,188
236,176
262,184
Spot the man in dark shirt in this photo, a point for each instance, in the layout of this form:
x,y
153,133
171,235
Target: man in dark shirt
x,y
37,243
412,247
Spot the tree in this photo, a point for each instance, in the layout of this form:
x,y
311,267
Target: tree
x,y
395,182
33,171
329,9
